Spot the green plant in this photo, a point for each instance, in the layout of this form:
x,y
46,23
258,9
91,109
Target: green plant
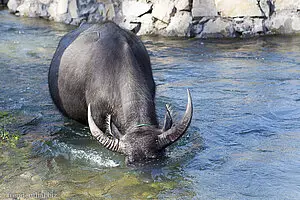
x,y
5,135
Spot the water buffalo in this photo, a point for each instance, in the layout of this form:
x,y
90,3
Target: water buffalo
x,y
101,75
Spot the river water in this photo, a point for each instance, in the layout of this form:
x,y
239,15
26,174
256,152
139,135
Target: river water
x,y
243,142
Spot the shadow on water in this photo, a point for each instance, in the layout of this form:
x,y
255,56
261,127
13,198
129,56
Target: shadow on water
x,y
243,142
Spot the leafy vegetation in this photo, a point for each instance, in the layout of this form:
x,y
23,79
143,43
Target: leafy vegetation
x,y
7,137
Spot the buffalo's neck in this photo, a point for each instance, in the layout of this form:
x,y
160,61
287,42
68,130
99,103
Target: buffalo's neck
x,y
137,90
138,109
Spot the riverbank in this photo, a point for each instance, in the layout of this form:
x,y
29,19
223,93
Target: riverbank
x,y
188,18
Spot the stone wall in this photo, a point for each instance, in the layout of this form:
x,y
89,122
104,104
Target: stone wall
x,y
190,18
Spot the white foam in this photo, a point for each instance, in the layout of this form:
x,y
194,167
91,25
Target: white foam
x,y
92,157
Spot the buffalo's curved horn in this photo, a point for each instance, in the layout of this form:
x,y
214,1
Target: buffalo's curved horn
x,y
112,144
170,136
168,119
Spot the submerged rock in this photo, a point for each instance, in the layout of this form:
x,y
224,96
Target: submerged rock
x,y
36,179
26,175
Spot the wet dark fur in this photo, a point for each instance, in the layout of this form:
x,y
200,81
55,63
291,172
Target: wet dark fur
x,y
109,68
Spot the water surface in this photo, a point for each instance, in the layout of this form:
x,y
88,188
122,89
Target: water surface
x,y
243,142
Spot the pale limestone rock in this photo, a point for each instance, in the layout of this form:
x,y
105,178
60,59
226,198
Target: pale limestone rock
x,y
247,26
296,24
29,8
13,5
180,24
52,10
23,8
163,9
170,17
147,24
43,11
110,11
131,11
196,29
284,23
62,7
258,26
126,23
159,25
135,8
73,10
265,7
185,5
204,8
45,2
217,28
287,5
243,25
239,8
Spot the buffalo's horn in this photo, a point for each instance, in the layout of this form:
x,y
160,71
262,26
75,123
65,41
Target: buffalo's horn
x,y
168,119
112,144
170,136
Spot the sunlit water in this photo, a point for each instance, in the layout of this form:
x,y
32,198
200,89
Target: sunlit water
x,y
243,142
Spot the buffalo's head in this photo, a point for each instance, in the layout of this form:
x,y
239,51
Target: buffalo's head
x,y
142,142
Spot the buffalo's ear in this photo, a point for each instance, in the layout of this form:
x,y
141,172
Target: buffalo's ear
x,y
136,29
168,119
112,129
